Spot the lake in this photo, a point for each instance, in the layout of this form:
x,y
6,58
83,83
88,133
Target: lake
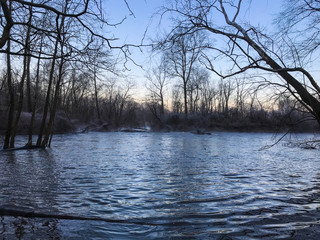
x,y
161,185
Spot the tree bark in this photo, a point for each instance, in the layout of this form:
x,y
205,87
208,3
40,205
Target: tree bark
x,y
9,23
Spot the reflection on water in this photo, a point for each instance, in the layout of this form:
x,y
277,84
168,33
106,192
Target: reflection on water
x,y
161,185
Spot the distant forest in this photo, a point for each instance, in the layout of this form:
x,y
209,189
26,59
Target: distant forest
x,y
229,105
60,72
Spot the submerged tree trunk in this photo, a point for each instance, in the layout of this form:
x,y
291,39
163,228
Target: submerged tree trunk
x,y
12,101
46,106
35,97
48,96
26,67
49,129
60,39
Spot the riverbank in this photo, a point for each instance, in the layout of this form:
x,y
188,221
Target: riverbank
x,y
62,123
173,123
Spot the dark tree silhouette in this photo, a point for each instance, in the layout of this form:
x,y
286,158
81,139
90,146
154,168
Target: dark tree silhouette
x,y
246,46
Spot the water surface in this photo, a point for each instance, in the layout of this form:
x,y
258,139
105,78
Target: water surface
x,y
161,185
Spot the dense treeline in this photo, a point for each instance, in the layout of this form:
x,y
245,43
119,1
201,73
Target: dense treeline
x,y
233,104
109,105
77,100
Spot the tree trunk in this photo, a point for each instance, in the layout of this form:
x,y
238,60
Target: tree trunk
x,y
162,106
185,95
12,101
35,98
96,93
29,101
49,129
26,69
308,99
47,102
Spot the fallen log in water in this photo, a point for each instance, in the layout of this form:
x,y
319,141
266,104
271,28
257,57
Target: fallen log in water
x,y
32,214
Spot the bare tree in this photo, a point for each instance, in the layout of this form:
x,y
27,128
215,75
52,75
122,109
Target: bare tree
x,y
298,25
241,92
40,141
98,61
199,77
177,104
225,91
8,19
9,131
68,31
7,15
208,96
36,94
182,52
245,46
122,98
157,81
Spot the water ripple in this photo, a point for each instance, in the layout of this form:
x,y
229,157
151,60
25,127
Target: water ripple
x,y
160,185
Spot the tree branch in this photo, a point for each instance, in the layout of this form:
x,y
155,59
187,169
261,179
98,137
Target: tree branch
x,y
9,23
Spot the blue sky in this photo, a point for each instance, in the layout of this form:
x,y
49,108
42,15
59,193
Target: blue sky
x,y
132,30
260,13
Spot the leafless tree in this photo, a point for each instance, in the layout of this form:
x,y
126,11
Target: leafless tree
x,y
240,98
225,91
245,47
123,97
158,79
208,96
9,131
298,25
199,77
68,31
182,52
177,104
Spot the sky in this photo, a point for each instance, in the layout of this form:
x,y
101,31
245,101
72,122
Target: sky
x,y
132,30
